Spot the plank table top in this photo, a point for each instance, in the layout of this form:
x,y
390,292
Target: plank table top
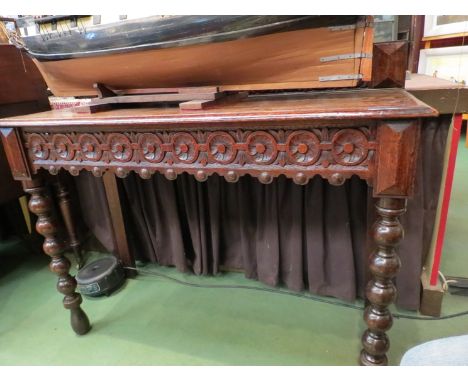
x,y
316,105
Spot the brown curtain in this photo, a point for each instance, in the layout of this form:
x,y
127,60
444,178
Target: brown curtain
x,y
312,237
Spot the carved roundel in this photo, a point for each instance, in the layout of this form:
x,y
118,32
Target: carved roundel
x,y
221,148
185,148
63,147
151,147
90,147
261,147
349,147
303,148
120,147
38,147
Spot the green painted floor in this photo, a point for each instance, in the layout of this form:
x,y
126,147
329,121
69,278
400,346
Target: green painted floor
x,y
155,321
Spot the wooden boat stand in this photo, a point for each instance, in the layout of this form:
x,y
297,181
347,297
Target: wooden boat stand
x,y
189,98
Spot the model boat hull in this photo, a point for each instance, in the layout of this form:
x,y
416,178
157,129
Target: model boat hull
x,y
322,56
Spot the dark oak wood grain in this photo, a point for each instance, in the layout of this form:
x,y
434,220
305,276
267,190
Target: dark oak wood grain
x,y
389,60
289,107
21,81
47,225
373,134
65,204
10,189
384,264
399,142
15,154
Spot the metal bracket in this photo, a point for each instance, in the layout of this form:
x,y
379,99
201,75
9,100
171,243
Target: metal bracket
x,y
345,57
339,77
342,27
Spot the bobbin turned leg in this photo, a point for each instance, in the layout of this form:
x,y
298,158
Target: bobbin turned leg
x,y
64,201
380,291
41,205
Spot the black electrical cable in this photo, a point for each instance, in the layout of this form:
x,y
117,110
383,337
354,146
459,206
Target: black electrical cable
x,y
282,292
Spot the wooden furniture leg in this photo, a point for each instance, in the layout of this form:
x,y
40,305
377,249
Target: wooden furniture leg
x,y
118,223
64,201
380,291
41,204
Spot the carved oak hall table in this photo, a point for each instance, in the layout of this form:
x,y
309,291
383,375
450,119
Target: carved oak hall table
x,y
373,134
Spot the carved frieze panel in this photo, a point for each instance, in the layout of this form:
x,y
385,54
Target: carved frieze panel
x,y
334,153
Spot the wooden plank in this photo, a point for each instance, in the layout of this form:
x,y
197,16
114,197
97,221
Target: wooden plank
x,y
193,100
428,39
118,223
9,189
418,81
166,97
416,34
351,104
446,96
192,89
195,105
290,85
366,34
445,101
431,297
19,165
20,79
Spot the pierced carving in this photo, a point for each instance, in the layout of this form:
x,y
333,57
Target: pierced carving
x,y
349,147
335,154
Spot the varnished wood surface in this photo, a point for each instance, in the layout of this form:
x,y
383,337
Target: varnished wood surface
x,y
370,133
397,160
20,79
10,189
278,61
118,222
42,205
389,64
345,104
384,264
